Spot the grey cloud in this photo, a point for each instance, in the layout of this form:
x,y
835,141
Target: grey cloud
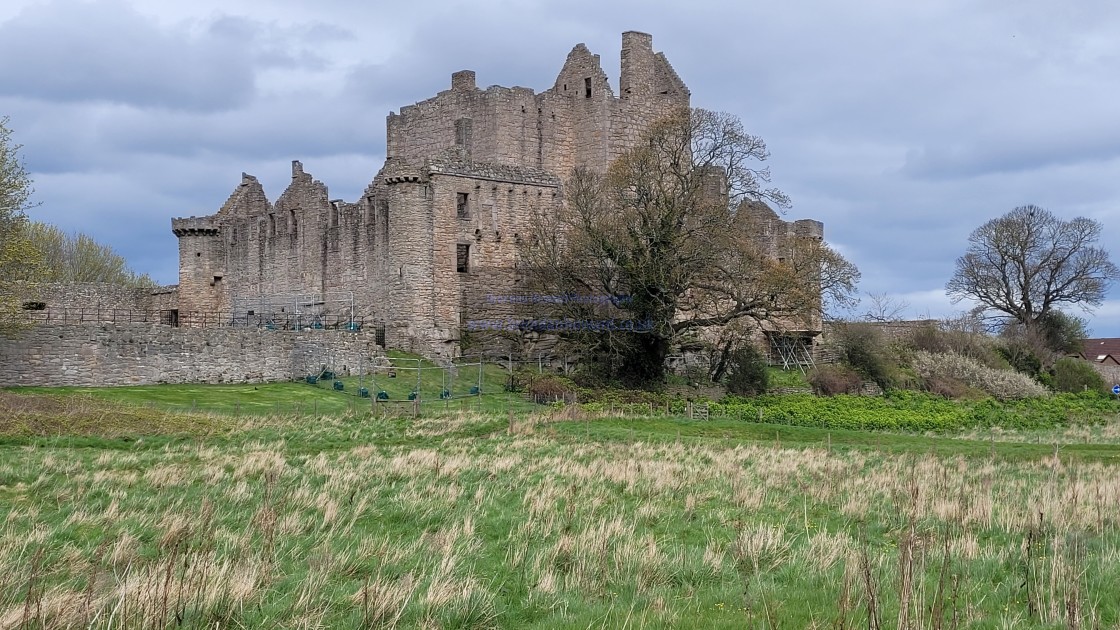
x,y
292,125
106,51
975,157
902,126
277,46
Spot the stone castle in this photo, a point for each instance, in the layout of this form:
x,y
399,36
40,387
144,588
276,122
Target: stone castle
x,y
271,290
440,224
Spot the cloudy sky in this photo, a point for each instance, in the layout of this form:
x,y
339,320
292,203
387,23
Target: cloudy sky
x,y
902,125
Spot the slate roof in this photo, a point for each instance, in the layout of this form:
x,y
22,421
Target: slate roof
x,y
1106,350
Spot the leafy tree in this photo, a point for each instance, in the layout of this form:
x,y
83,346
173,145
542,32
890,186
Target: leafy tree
x,y
1024,265
1075,375
79,258
864,348
19,261
749,373
1063,333
673,232
1034,349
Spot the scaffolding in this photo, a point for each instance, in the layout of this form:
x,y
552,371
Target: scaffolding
x,y
791,350
297,311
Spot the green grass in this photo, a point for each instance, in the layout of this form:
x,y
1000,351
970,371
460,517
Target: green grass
x,y
786,378
730,432
263,398
918,412
301,398
549,521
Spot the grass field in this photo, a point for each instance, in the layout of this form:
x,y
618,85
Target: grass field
x,y
301,398
148,517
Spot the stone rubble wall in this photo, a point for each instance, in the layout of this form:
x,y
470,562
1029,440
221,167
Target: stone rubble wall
x,y
579,121
94,296
146,354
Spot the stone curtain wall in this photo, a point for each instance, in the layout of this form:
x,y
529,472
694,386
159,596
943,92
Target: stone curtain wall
x,y
93,296
306,252
145,354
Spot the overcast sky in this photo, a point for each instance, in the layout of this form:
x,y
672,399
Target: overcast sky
x,y
901,125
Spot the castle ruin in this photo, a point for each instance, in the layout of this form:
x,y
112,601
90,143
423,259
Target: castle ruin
x,y
268,289
440,224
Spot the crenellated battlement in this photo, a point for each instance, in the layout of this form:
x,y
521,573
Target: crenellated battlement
x,y
808,228
195,226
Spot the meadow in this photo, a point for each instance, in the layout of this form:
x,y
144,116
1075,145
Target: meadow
x,y
118,515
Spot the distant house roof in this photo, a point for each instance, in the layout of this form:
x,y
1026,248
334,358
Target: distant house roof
x,y
1105,351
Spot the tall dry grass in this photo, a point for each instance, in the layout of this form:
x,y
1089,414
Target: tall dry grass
x,y
420,525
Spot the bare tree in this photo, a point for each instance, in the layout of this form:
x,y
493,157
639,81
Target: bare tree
x,y
1023,265
884,308
673,234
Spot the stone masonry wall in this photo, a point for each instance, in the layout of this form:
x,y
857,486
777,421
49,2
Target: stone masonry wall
x,y
577,122
101,296
143,354
305,252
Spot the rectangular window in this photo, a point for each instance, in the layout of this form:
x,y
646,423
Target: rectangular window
x,y
587,87
272,225
462,258
462,209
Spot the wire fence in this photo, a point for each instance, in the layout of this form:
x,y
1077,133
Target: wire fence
x,y
414,387
497,403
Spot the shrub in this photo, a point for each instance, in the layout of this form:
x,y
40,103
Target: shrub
x,y
946,387
547,389
864,349
1001,384
919,411
961,336
1074,375
829,380
749,373
1036,348
1021,357
793,378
